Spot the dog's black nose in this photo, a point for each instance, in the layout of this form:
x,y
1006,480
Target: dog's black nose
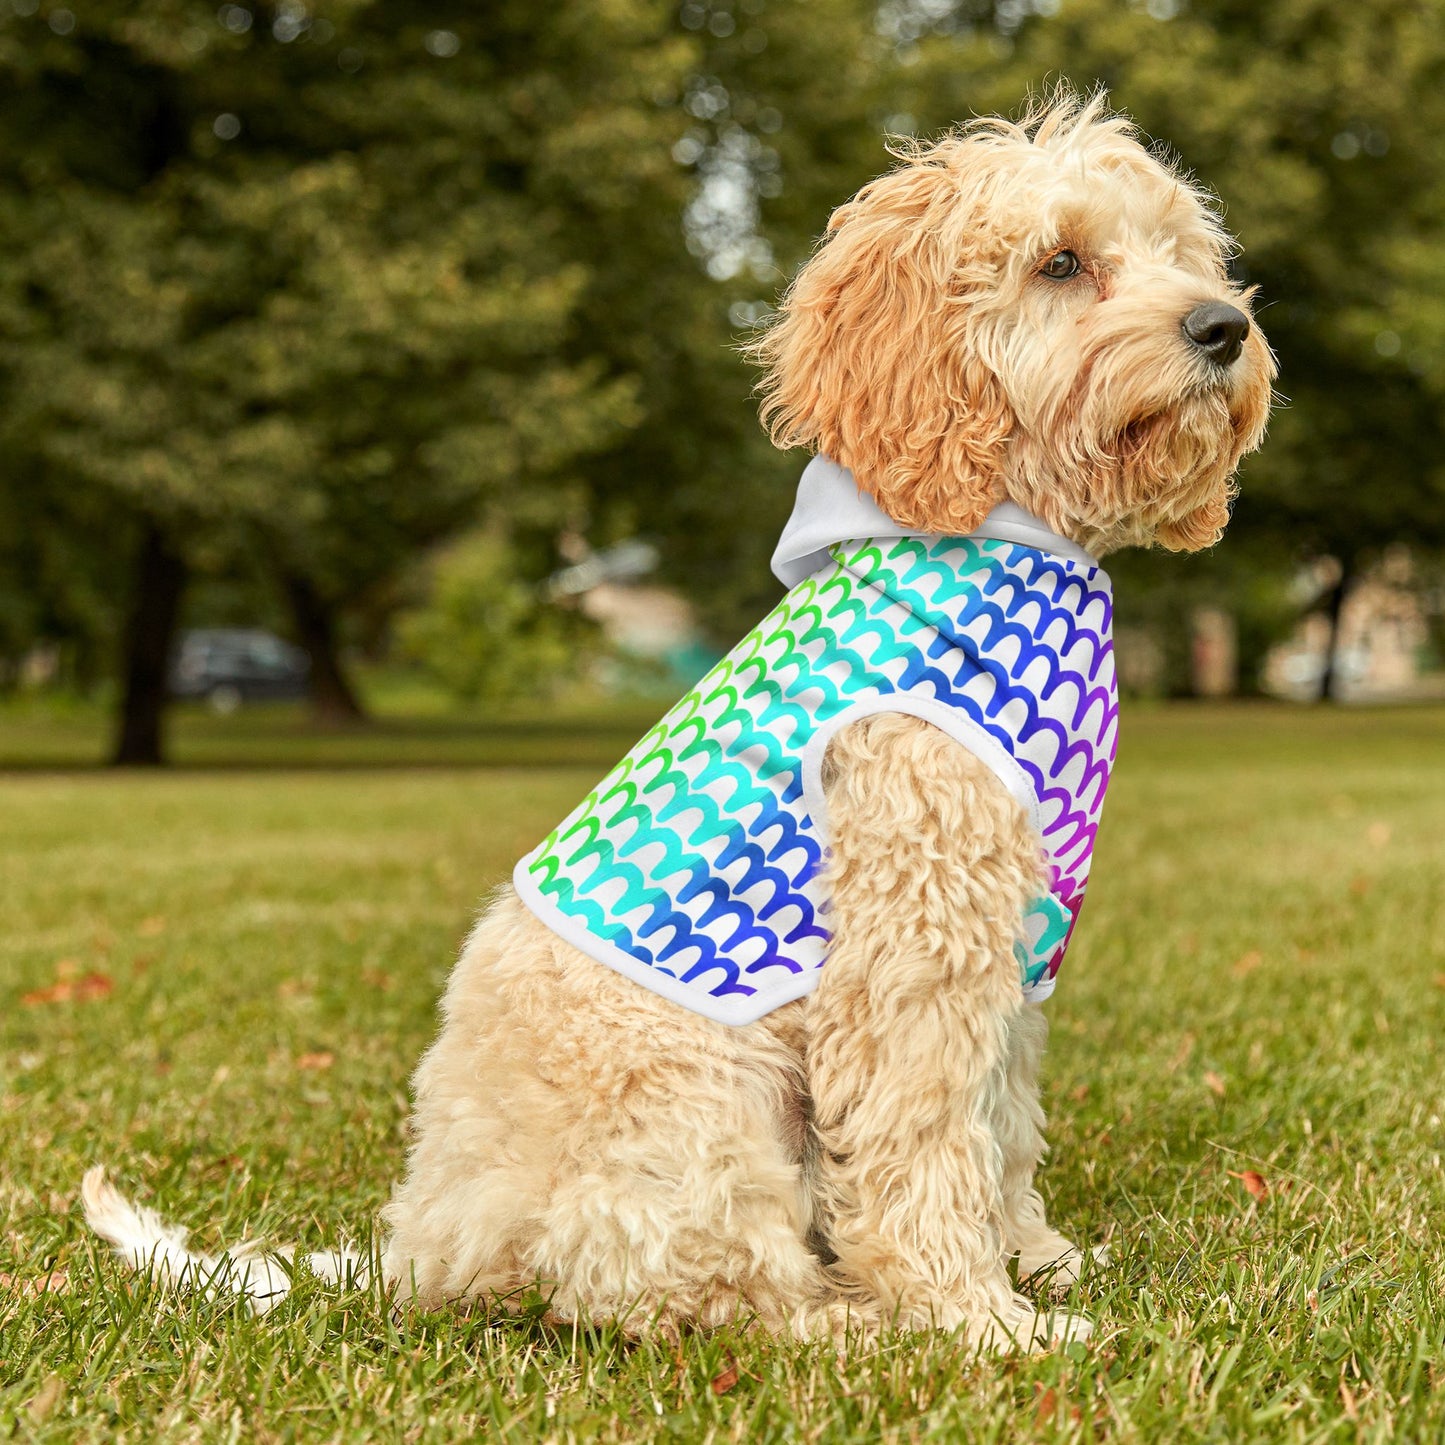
x,y
1218,330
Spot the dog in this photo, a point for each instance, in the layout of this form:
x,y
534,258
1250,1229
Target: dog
x,y
755,1033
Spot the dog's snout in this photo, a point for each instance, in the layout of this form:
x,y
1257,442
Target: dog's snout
x,y
1218,330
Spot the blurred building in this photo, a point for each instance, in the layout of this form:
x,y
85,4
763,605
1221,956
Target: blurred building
x,y
655,641
1382,651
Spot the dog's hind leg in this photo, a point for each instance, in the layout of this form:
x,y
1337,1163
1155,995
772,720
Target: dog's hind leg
x,y
933,863
577,1134
681,1200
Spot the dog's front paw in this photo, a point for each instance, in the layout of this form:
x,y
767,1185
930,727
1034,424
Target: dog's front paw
x,y
1023,1326
1057,1269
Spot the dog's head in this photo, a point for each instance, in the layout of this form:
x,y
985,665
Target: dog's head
x,y
1037,311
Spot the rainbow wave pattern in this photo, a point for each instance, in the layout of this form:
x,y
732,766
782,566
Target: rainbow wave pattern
x,y
692,866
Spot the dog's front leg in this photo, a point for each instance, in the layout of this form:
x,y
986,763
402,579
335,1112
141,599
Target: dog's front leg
x,y
933,863
1043,1253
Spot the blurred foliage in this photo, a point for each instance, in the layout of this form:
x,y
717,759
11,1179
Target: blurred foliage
x,y
783,114
485,634
1158,596
325,285
311,291
313,288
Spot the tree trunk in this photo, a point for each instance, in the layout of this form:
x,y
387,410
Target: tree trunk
x,y
333,699
160,578
1329,676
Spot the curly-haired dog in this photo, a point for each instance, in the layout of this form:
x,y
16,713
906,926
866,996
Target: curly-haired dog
x,y
753,1031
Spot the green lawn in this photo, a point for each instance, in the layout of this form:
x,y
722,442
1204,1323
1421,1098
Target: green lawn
x,y
253,955
408,728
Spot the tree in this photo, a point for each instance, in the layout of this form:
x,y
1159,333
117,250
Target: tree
x,y
326,286
292,283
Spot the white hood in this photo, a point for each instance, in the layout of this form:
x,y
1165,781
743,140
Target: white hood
x,y
830,509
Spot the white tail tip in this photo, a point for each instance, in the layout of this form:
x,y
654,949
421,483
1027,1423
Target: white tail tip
x,y
148,1244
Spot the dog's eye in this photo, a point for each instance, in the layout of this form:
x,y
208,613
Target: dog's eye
x,y
1060,266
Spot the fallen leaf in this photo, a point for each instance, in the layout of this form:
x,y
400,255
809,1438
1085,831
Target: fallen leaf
x,y
1214,1083
151,927
56,1282
322,1059
1255,1184
1046,1408
722,1383
1440,980
1080,1094
66,990
1359,886
56,993
1248,962
377,978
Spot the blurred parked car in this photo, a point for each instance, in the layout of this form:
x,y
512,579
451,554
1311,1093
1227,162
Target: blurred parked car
x,y
230,665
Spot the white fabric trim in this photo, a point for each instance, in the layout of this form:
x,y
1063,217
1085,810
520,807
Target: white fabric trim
x,y
1008,522
736,1014
957,725
830,508
731,1011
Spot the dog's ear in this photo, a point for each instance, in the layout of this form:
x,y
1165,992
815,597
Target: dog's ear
x,y
873,359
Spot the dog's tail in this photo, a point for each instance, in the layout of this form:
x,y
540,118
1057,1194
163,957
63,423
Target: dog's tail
x,y
147,1243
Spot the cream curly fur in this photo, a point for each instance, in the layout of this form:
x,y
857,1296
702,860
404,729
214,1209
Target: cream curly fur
x,y
921,348
865,1156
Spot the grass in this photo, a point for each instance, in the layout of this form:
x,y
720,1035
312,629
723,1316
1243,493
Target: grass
x,y
252,959
409,727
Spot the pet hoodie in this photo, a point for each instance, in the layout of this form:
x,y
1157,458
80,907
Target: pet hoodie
x,y
692,867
